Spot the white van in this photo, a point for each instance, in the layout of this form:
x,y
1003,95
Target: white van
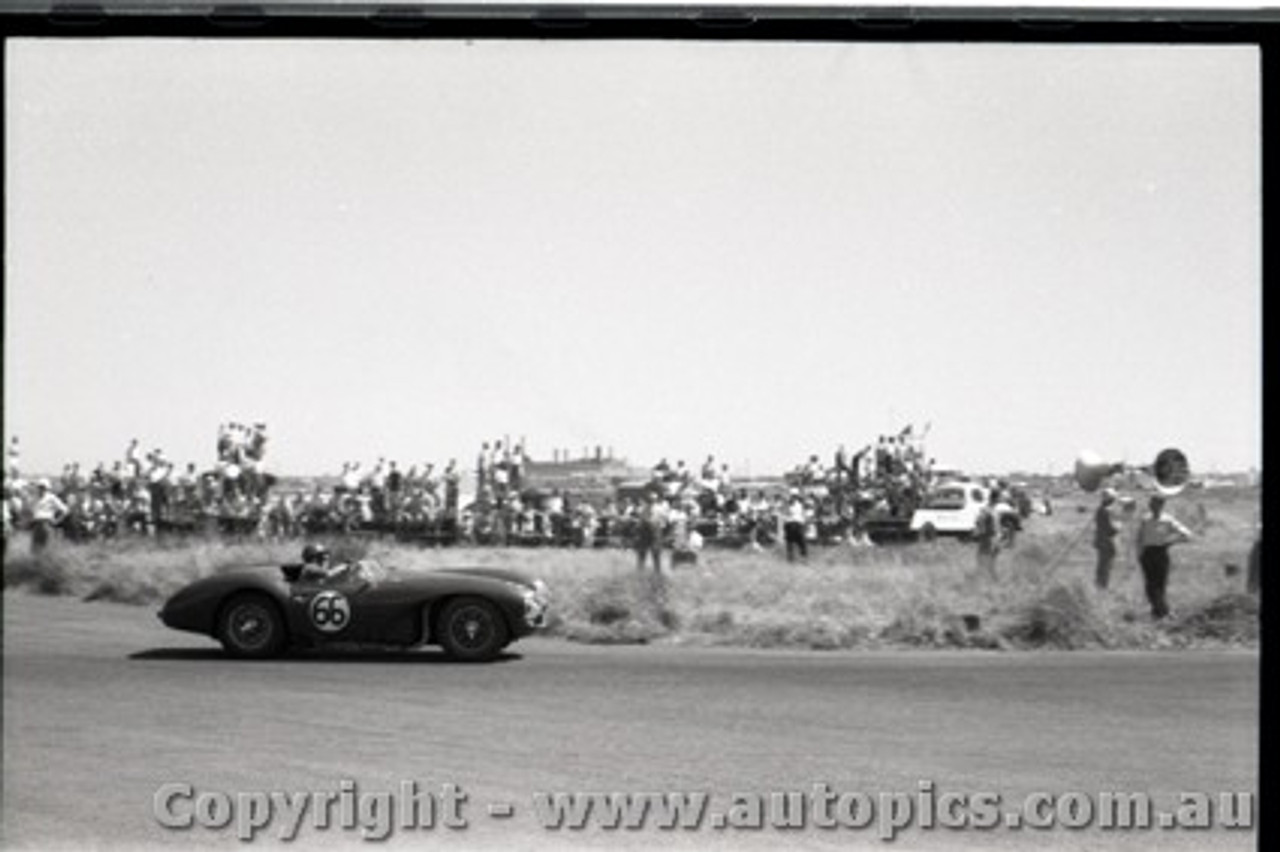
x,y
950,509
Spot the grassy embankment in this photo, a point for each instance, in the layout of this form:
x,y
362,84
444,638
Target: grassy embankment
x,y
921,595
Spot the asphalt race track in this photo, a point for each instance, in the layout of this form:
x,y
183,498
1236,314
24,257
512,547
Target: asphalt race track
x,y
103,706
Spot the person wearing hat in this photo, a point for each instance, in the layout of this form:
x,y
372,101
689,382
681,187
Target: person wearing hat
x,y
47,512
316,567
1106,528
1158,532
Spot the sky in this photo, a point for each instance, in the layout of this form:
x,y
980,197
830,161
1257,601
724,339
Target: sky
x,y
672,249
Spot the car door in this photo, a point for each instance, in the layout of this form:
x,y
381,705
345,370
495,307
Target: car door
x,y
330,610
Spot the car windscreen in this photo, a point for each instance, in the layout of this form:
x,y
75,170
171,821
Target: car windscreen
x,y
946,498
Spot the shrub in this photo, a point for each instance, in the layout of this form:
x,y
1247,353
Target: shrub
x,y
1230,618
1064,617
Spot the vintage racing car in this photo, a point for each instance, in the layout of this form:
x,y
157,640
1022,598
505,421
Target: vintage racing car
x,y
472,613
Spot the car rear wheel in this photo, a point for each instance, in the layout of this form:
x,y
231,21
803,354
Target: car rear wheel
x,y
928,532
472,630
251,627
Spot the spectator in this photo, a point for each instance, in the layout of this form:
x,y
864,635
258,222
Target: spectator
x,y
430,483
224,443
452,487
158,472
350,479
13,461
256,444
650,532
987,534
1105,530
1010,521
840,465
47,512
137,516
131,460
483,463
1157,532
813,472
859,467
501,477
188,484
517,467
11,512
793,530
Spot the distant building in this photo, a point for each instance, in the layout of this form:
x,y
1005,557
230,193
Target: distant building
x,y
587,475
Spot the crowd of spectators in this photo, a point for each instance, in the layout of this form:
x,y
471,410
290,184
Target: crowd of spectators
x,y
147,494
421,502
142,493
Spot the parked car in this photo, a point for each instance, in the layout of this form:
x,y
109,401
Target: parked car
x,y
950,509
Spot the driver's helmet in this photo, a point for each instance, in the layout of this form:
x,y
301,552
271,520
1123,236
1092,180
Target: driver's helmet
x,y
315,554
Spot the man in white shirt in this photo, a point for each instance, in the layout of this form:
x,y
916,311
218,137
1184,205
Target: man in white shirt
x,y
132,461
793,529
501,479
709,472
47,512
1156,534
350,476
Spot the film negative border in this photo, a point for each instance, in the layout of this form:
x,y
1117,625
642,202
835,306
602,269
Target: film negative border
x,y
566,21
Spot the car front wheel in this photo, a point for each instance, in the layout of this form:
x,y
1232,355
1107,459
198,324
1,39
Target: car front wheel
x,y
250,627
472,630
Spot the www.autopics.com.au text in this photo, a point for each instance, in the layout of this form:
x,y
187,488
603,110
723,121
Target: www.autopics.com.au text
x,y
376,815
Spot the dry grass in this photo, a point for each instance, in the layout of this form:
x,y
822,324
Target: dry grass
x,y
923,595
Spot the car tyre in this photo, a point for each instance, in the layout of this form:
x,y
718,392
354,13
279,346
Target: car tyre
x,y
928,532
251,627
472,630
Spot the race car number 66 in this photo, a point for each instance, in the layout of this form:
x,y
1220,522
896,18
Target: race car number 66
x,y
330,611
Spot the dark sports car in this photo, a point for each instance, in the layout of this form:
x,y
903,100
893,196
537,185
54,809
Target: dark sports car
x,y
472,613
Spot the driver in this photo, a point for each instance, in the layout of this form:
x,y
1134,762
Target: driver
x,y
315,564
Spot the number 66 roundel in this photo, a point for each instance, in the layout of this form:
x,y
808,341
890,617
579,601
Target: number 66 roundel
x,y
330,612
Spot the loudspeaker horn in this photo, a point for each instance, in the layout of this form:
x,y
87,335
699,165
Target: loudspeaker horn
x,y
1170,471
1091,470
